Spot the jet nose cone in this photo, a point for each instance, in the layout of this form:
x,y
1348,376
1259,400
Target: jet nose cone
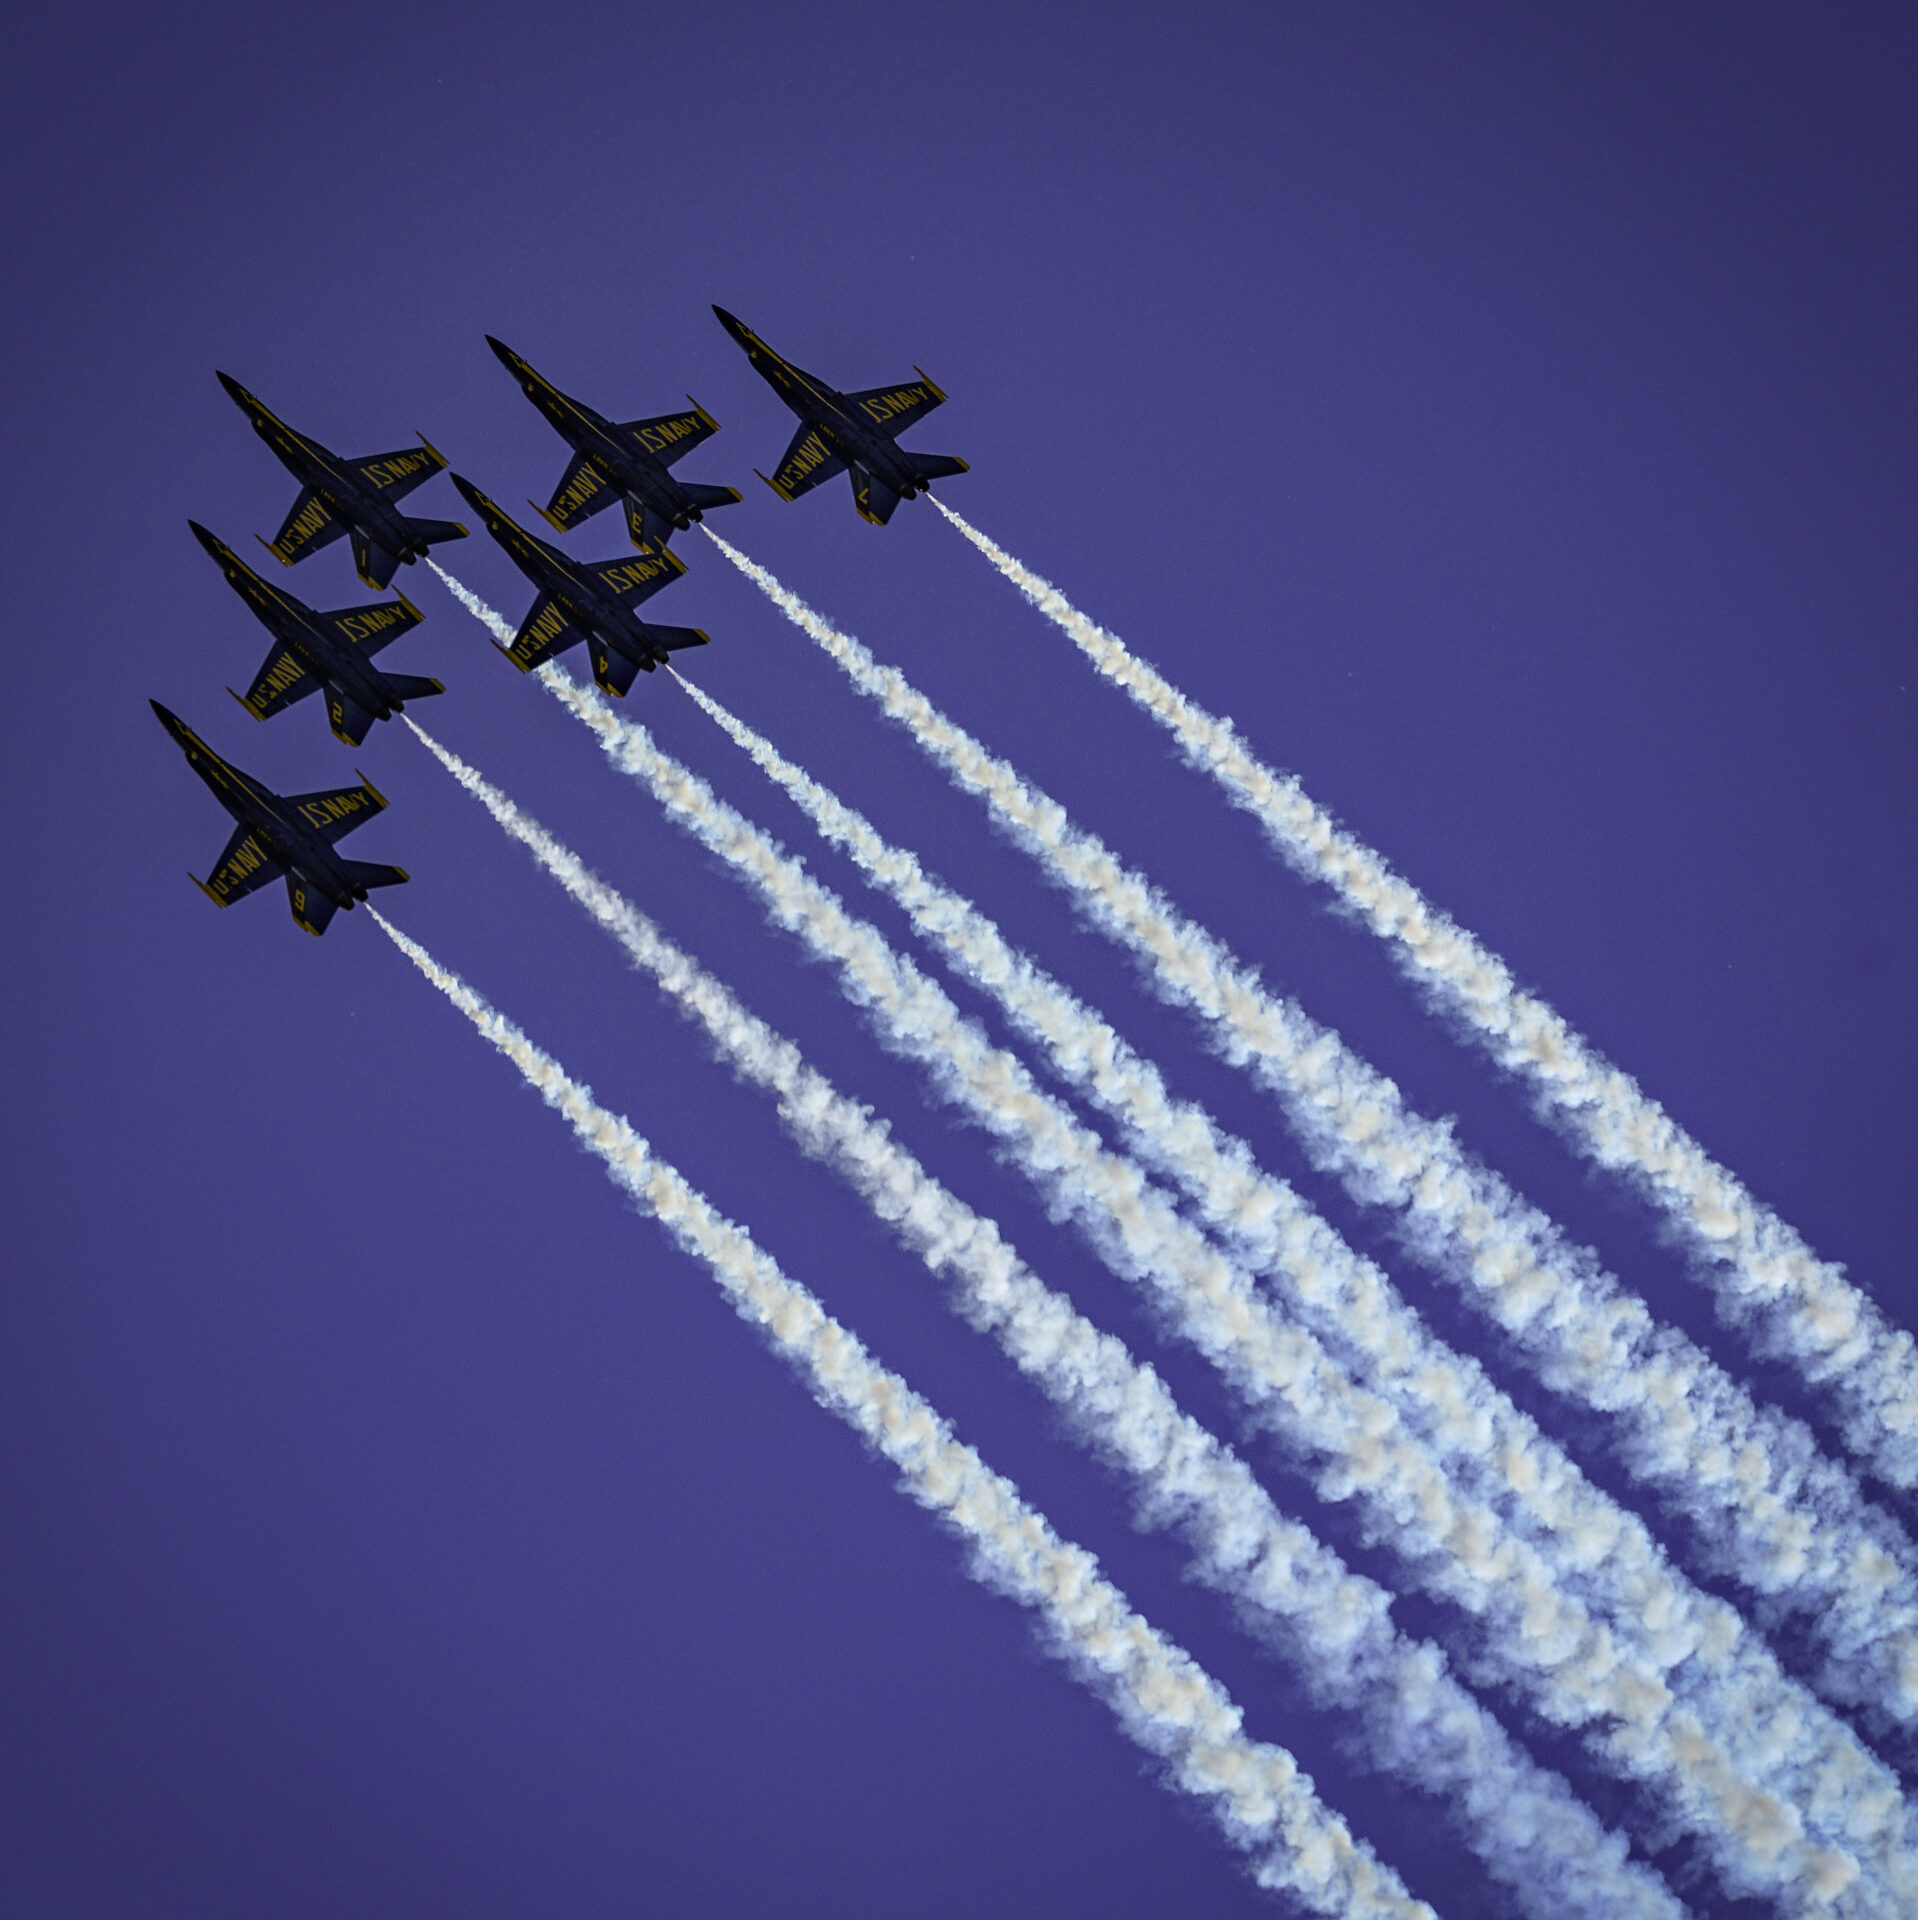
x,y
211,542
471,494
735,327
170,721
500,347
233,387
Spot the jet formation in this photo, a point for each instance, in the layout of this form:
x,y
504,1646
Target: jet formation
x,y
591,602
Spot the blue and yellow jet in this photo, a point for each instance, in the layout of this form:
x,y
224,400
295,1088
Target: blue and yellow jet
x,y
852,433
590,600
289,835
620,460
349,496
333,651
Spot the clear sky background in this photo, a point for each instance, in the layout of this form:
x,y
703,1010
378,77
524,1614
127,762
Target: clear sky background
x,y
1508,417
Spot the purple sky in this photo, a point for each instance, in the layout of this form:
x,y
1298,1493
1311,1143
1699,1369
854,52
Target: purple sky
x,y
1508,419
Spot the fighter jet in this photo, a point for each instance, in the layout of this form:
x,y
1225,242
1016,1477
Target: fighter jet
x,y
330,650
291,835
349,496
620,460
590,600
852,433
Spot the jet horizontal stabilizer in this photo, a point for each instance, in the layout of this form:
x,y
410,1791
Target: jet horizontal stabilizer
x,y
874,499
674,638
370,873
413,686
704,497
313,910
348,719
933,466
614,671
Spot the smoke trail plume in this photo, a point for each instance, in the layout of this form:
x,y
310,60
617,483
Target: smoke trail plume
x,y
1331,1625
1678,1695
1683,1652
1806,1555
1256,1792
1766,1280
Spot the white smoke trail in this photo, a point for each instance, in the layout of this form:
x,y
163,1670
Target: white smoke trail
x,y
1765,1278
1805,1555
500,628
1732,1684
1256,1792
1523,1823
1675,1694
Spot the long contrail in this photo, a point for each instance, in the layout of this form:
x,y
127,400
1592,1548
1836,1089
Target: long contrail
x,y
1331,1625
1256,1792
1804,1556
1765,1278
1672,1690
1585,1335
1676,1694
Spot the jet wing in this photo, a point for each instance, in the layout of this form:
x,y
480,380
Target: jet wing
x,y
337,811
581,492
374,627
637,579
545,631
396,474
893,409
308,528
244,866
672,434
277,684
807,462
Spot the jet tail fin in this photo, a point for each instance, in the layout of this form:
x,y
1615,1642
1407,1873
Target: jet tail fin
x,y
934,466
704,497
413,686
369,873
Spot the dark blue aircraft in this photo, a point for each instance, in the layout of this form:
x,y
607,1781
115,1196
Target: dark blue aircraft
x,y
291,835
854,433
330,650
620,460
590,600
349,496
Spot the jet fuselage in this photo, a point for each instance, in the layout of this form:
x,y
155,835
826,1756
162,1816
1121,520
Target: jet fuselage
x,y
274,821
300,630
620,455
361,509
580,597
